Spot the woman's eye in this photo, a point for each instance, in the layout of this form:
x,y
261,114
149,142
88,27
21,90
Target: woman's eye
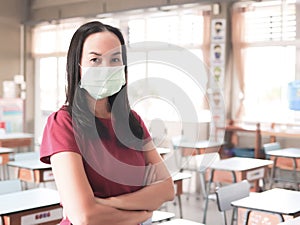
x,y
116,60
95,61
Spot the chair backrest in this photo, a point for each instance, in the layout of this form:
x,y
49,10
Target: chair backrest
x,y
9,186
270,147
26,155
230,193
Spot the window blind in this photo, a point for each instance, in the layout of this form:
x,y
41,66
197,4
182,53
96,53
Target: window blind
x,y
271,21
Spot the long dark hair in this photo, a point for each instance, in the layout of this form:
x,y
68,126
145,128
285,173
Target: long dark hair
x,y
76,101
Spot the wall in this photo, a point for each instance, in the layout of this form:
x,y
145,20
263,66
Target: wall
x,y
10,20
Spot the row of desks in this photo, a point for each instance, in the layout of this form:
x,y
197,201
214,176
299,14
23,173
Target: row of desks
x,y
233,128
42,205
39,172
16,140
34,206
253,170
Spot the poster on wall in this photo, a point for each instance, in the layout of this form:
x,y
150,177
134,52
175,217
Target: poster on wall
x,y
217,69
217,52
218,30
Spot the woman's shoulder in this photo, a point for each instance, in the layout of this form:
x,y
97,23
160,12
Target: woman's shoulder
x,y
61,116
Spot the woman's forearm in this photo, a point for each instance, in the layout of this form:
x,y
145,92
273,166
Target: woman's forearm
x,y
100,214
149,198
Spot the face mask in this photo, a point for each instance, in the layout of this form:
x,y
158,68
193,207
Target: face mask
x,y
101,82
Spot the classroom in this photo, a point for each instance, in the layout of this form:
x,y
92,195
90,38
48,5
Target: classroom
x,y
170,112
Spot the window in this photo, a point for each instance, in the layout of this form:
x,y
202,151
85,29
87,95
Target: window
x,y
50,89
170,32
50,44
182,26
269,60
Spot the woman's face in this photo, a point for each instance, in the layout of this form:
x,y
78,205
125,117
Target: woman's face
x,y
101,49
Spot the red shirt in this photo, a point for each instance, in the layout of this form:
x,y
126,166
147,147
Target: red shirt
x,y
112,169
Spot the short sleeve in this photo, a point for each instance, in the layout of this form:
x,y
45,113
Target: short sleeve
x,y
58,136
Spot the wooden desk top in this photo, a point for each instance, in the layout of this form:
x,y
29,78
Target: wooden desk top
x,y
6,150
281,201
240,164
32,164
8,136
241,128
181,176
161,215
286,153
26,200
197,144
163,151
289,133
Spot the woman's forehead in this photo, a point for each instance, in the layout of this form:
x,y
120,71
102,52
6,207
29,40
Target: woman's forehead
x,y
102,43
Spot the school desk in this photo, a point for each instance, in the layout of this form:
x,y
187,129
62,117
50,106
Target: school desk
x,y
241,168
4,158
16,140
34,206
289,153
278,201
32,170
178,181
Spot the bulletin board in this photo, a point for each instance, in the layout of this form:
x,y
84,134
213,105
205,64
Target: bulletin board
x,y
12,113
217,73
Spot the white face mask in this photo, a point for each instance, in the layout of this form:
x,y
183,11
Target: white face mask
x,y
101,82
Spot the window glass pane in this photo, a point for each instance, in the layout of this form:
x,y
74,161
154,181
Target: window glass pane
x,y
61,81
164,29
48,83
191,30
44,41
268,70
275,21
183,27
137,30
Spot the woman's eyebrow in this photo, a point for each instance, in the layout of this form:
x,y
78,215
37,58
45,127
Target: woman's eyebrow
x,y
116,53
95,53
99,54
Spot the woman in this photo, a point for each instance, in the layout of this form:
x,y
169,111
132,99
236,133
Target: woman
x,y
105,165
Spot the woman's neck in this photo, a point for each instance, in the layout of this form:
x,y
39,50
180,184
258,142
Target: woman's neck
x,y
100,108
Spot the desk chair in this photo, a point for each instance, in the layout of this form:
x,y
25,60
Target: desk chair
x,y
284,168
270,147
24,156
199,165
9,186
229,193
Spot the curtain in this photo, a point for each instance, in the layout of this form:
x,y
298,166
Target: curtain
x,y
238,51
206,47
